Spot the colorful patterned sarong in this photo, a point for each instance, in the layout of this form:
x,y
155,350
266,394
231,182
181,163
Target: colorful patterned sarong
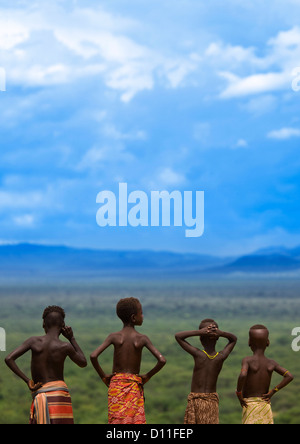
x,y
52,404
126,400
258,411
202,408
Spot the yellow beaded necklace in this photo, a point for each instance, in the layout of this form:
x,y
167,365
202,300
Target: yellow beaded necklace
x,y
210,356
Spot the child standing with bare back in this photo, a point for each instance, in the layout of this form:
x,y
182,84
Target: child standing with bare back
x,y
126,393
253,387
51,399
203,401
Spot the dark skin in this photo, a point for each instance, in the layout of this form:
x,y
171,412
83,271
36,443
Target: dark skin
x,y
206,370
257,370
48,356
128,345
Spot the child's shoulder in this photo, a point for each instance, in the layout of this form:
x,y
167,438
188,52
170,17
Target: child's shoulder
x,y
125,334
35,343
139,336
34,339
141,339
115,336
248,359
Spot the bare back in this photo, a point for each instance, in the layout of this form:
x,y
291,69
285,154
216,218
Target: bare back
x,y
259,374
48,357
128,345
206,372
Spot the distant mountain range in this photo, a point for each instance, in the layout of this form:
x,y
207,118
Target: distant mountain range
x,y
37,261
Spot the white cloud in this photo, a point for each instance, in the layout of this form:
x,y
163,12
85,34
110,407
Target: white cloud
x,y
25,221
285,48
112,132
222,54
254,84
272,72
38,75
130,79
241,143
17,199
284,133
12,32
98,157
177,70
52,45
10,199
93,157
260,105
170,177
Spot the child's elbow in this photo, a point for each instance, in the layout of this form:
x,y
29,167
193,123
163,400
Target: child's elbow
x,y
83,363
234,340
8,360
162,361
93,358
178,338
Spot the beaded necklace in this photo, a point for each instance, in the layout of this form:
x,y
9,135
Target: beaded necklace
x,y
210,356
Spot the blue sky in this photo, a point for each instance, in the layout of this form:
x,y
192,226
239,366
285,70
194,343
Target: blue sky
x,y
163,95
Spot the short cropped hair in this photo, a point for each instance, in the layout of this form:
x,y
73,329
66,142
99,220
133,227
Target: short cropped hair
x,y
54,308
53,314
258,327
126,308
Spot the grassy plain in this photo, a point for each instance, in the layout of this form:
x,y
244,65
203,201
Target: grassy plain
x,y
235,304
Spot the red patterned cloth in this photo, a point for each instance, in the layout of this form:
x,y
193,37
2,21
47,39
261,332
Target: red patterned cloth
x,y
126,400
52,404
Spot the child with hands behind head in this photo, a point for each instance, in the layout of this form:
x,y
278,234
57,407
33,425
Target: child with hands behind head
x,y
203,401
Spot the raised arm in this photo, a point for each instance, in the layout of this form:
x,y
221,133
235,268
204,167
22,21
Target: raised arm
x,y
181,338
161,360
94,360
232,340
75,353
